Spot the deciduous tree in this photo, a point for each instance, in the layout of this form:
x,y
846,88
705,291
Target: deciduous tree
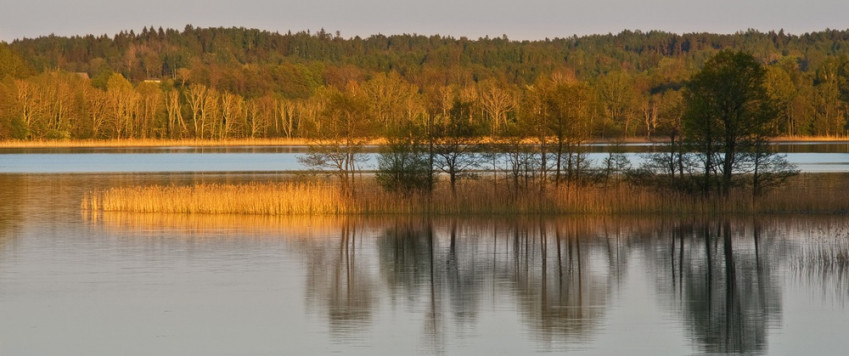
x,y
728,112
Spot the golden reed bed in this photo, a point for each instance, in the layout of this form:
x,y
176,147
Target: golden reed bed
x,y
807,193
138,142
255,198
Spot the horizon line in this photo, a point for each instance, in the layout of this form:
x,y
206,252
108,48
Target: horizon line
x,y
339,33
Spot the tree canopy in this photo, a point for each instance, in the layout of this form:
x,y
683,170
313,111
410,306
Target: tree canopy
x,y
237,82
729,113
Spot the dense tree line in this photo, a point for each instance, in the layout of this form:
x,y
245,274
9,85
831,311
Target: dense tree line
x,y
726,118
235,82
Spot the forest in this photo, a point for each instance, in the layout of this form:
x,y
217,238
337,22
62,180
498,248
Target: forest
x,y
227,83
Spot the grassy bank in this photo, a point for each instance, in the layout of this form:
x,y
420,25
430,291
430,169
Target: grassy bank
x,y
807,193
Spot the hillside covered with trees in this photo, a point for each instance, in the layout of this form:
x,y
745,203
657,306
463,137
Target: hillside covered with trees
x,y
218,83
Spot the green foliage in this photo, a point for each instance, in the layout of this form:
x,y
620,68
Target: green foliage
x,y
117,83
57,135
346,117
729,115
455,143
731,108
19,130
404,163
11,64
404,167
100,79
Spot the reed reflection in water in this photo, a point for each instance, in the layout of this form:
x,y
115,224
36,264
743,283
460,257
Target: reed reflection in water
x,y
10,211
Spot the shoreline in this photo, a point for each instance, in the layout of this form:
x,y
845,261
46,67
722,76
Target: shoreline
x,y
283,142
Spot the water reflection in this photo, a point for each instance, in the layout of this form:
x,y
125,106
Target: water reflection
x,y
406,252
339,285
10,208
441,284
823,264
562,275
809,157
723,277
200,226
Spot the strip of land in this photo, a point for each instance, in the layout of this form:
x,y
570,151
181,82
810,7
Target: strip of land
x,y
118,143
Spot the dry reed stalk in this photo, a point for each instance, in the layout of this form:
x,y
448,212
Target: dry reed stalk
x,y
259,199
803,194
161,143
836,138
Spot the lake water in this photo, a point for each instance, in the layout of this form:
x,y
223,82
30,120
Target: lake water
x,y
73,283
808,157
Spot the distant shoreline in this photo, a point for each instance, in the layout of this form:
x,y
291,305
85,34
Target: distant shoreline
x,y
110,143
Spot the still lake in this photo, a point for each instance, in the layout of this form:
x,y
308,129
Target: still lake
x,y
74,283
808,157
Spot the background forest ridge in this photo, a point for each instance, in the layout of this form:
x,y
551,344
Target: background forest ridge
x,y
221,83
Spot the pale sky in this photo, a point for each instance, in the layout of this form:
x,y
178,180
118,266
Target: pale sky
x,y
527,19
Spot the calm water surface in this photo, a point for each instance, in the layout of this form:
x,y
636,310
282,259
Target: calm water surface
x,y
72,283
809,157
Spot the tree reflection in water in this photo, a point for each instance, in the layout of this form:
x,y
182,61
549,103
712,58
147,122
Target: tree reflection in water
x,y
336,283
561,278
558,274
721,278
724,279
406,253
561,273
443,268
